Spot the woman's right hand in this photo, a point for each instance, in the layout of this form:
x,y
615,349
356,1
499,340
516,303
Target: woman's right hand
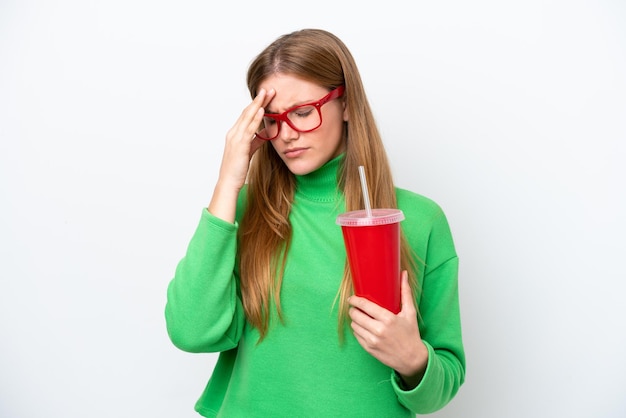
x,y
241,144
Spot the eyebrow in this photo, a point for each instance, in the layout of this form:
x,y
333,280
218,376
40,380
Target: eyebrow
x,y
273,112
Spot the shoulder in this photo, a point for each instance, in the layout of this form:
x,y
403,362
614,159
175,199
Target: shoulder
x,y
424,220
416,204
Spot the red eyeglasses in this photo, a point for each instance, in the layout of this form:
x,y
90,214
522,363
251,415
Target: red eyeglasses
x,y
302,118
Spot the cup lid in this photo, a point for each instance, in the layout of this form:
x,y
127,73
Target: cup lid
x,y
379,217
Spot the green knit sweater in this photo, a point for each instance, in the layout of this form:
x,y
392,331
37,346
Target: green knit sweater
x,y
300,369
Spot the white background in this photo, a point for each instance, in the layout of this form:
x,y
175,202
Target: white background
x,y
511,115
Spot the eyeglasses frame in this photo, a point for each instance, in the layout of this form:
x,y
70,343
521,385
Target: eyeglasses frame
x,y
282,117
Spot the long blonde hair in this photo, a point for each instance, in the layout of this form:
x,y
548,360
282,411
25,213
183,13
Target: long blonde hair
x,y
265,232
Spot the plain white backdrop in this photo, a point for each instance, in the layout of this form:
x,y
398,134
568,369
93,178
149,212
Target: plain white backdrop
x,y
511,115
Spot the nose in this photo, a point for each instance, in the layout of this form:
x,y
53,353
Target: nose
x,y
287,133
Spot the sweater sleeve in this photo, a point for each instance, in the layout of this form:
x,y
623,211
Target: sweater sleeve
x,y
439,319
204,312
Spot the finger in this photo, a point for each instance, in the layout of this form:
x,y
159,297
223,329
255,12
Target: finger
x,y
257,123
364,337
361,337
264,97
361,318
254,113
244,134
256,144
367,306
269,95
408,301
250,118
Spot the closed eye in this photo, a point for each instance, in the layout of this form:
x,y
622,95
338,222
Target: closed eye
x,y
303,112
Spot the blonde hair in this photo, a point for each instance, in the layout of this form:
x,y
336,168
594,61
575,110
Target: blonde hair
x,y
265,232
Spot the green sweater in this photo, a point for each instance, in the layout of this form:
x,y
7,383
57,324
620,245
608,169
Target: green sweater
x,y
301,369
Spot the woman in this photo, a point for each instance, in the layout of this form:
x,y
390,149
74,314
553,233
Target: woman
x,y
264,280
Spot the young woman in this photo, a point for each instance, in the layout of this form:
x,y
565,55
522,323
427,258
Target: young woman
x,y
264,281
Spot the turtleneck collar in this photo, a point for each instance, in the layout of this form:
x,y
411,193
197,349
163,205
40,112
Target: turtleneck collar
x,y
320,185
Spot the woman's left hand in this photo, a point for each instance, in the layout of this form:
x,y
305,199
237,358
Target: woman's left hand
x,y
393,339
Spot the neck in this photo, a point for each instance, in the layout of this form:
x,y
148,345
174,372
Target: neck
x,y
320,185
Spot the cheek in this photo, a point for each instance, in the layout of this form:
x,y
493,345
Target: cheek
x,y
333,137
334,131
333,121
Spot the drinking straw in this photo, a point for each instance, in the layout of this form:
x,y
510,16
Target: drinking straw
x,y
366,195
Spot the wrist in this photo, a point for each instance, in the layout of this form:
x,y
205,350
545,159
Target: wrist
x,y
224,201
412,375
409,382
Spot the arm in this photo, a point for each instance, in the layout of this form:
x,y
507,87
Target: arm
x,y
203,311
441,334
241,144
440,324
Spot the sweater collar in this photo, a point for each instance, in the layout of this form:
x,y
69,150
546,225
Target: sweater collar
x,y
320,185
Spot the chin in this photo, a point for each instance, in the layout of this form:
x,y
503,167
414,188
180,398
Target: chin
x,y
302,168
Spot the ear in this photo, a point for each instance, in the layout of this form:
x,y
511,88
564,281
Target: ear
x,y
345,111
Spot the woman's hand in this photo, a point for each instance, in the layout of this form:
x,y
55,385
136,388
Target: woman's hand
x,y
241,144
393,339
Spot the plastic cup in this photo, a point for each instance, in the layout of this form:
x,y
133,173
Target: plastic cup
x,y
373,250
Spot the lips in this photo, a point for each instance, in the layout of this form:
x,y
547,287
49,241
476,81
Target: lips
x,y
294,152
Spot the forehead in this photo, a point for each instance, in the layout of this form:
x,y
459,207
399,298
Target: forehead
x,y
291,91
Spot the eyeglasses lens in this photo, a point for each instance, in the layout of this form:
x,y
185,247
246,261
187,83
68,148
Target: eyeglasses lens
x,y
302,119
